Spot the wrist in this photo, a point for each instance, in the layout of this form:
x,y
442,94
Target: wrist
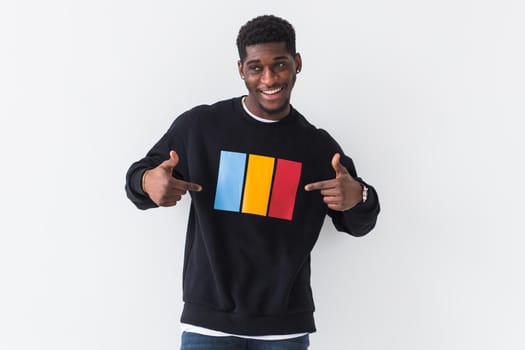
x,y
364,193
143,181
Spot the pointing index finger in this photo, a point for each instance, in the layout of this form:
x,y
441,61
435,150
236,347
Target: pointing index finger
x,y
321,185
190,186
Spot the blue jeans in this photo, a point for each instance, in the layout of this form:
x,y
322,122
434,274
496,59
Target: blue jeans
x,y
193,341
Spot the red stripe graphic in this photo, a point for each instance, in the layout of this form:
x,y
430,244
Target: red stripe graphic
x,y
285,183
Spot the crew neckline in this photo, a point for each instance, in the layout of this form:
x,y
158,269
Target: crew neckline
x,y
255,120
262,120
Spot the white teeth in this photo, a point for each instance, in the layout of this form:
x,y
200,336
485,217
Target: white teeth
x,y
271,92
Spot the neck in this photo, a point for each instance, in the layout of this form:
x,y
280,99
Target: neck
x,y
273,115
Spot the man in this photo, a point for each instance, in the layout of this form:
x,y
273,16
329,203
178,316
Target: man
x,y
262,179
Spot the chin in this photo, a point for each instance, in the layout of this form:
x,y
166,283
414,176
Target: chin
x,y
275,110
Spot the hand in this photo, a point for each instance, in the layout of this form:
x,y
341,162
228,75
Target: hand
x,y
162,187
341,193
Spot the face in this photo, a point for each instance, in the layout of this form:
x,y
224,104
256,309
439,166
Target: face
x,y
269,73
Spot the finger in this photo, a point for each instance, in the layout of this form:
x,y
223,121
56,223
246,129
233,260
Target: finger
x,y
189,186
337,207
321,185
337,166
172,162
171,201
174,199
333,192
332,200
175,190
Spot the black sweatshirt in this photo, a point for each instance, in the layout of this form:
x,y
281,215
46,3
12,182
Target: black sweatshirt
x,y
252,227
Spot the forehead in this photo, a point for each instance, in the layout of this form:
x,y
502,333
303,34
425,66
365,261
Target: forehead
x,y
266,51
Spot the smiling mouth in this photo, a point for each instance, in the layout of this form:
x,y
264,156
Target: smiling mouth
x,y
272,91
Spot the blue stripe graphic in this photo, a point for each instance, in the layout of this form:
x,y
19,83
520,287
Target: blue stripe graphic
x,y
230,181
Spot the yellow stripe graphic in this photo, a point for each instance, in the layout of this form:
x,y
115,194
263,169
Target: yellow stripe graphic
x,y
258,184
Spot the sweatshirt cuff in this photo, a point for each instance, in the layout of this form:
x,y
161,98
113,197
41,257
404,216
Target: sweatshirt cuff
x,y
370,204
136,182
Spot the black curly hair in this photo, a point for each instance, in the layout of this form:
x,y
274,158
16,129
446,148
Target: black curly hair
x,y
265,29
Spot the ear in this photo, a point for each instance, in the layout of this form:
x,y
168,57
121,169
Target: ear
x,y
240,68
298,62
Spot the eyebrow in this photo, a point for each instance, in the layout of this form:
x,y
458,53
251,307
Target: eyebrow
x,y
275,59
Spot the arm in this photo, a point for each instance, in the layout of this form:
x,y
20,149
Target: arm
x,y
158,178
343,196
359,220
134,178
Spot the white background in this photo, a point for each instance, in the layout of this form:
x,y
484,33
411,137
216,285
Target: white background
x,y
426,96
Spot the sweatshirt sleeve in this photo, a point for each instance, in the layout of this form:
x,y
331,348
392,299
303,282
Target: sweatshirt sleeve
x,y
173,139
362,218
359,220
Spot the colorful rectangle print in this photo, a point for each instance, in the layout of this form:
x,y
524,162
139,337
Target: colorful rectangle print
x,y
285,183
230,181
257,184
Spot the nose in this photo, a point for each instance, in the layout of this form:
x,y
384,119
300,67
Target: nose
x,y
268,76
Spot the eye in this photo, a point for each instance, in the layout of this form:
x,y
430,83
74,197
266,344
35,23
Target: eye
x,y
255,68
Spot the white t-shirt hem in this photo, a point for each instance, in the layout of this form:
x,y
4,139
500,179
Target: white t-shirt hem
x,y
210,332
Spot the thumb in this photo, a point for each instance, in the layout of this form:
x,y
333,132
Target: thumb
x,y
337,166
172,162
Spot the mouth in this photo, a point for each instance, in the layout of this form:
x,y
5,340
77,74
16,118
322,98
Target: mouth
x,y
270,92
